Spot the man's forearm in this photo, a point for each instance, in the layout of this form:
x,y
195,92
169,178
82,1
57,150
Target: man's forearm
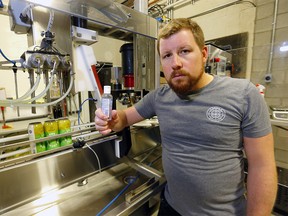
x,y
261,190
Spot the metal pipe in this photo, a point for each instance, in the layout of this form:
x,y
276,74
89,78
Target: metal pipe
x,y
221,7
16,90
13,138
173,4
153,2
31,77
273,37
169,12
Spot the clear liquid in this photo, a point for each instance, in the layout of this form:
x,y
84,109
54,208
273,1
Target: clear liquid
x,y
106,105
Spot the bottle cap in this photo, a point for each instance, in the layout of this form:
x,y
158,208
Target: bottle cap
x,y
107,89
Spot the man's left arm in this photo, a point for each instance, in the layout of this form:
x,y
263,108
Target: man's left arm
x,y
262,175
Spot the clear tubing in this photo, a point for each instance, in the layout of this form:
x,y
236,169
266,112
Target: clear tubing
x,y
13,102
38,78
27,94
53,102
51,20
27,9
51,17
47,87
42,93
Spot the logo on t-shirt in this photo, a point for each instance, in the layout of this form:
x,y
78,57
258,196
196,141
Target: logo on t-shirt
x,y
216,114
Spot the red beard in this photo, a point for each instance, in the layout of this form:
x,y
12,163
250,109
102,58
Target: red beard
x,y
185,83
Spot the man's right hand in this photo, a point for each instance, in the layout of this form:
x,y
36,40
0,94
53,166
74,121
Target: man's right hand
x,y
102,124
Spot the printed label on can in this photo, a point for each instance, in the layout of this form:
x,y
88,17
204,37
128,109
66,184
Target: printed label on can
x,y
51,129
36,131
64,125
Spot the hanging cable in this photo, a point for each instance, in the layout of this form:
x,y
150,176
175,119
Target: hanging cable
x,y
98,161
80,108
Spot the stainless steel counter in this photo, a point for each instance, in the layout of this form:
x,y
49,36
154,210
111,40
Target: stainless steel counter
x,y
91,198
55,184
276,122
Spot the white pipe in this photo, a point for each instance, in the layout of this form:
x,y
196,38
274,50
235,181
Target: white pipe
x,y
272,38
175,3
13,138
9,154
75,128
86,135
141,6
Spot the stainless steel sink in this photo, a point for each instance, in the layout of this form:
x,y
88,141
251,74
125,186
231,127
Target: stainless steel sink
x,y
68,182
91,198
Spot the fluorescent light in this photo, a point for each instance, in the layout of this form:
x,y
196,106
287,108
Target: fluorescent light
x,y
284,48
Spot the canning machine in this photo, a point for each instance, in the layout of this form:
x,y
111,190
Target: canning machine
x,y
117,174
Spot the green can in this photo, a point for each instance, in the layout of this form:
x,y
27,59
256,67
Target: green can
x,y
36,131
64,126
51,129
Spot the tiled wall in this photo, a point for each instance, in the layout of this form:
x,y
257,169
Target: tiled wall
x,y
276,92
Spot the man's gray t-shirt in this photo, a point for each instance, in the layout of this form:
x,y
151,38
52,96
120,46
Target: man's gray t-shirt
x,y
202,143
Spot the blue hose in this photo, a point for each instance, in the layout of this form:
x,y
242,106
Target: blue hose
x,y
120,193
13,62
117,196
80,108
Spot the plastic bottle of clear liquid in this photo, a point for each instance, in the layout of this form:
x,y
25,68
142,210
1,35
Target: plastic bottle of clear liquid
x,y
106,102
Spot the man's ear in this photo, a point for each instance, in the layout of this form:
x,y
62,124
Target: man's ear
x,y
205,53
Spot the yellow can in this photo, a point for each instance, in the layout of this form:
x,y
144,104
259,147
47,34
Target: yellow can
x,y
64,126
36,131
51,129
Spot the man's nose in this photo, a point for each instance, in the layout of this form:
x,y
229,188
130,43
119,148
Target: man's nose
x,y
176,62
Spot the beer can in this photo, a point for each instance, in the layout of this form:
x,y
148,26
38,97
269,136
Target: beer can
x,y
36,131
64,126
51,129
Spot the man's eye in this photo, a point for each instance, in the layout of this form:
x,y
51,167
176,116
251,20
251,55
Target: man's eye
x,y
185,51
166,56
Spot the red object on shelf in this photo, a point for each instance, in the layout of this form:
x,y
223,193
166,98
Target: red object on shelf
x,y
129,81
